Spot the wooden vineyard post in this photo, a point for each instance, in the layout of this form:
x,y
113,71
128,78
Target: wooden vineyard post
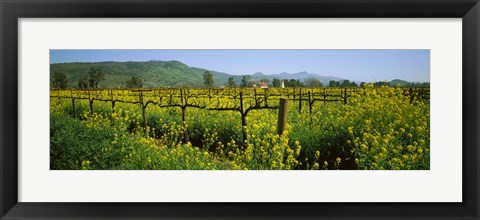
x,y
310,102
282,116
324,97
73,105
184,116
244,122
265,98
113,102
300,101
294,95
91,103
411,95
185,133
91,106
73,108
345,96
143,111
159,97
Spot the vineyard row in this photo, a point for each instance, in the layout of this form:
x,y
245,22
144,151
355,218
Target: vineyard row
x,y
239,100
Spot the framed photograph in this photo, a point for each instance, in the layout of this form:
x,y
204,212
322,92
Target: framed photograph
x,y
224,109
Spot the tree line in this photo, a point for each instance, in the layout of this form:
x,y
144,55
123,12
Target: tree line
x,y
91,79
247,82
94,77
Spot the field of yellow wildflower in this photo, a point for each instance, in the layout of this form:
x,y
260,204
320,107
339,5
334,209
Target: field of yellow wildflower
x,y
381,128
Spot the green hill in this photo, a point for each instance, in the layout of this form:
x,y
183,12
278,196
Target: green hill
x,y
153,73
395,82
404,83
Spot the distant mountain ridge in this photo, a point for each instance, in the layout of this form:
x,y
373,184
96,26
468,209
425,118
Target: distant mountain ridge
x,y
156,73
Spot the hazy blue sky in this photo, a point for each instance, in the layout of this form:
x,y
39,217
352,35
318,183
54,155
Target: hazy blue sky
x,y
359,65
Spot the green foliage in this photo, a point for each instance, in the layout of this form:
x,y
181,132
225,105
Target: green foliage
x,y
378,128
245,81
71,143
207,79
345,83
293,83
95,76
83,82
382,83
101,142
276,83
134,82
153,73
333,83
265,80
312,82
231,82
60,80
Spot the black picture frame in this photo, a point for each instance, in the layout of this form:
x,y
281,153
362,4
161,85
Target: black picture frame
x,y
11,11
